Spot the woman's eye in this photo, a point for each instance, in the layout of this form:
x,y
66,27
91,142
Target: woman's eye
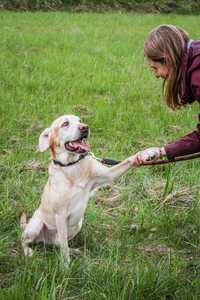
x,y
65,124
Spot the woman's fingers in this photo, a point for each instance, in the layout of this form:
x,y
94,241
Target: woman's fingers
x,y
147,155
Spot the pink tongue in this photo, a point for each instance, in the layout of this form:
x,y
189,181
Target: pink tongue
x,y
81,145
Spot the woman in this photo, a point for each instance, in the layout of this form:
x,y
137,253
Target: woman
x,y
174,57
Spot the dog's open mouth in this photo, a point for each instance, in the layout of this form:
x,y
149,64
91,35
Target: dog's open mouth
x,y
79,146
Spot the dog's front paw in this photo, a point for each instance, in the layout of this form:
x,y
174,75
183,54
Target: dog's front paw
x,y
65,257
28,251
76,252
149,154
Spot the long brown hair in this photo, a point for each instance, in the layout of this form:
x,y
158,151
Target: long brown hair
x,y
167,44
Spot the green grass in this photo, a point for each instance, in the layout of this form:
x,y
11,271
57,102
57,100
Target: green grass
x,y
141,236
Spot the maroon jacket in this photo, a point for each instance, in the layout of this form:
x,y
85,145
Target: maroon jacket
x,y
191,91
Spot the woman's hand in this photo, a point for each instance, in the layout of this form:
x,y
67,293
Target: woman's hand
x,y
148,155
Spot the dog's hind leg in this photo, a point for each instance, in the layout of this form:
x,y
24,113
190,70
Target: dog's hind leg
x,y
74,230
31,232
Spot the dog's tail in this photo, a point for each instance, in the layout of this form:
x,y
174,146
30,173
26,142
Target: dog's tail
x,y
23,220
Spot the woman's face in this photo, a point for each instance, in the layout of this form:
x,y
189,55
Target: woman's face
x,y
160,70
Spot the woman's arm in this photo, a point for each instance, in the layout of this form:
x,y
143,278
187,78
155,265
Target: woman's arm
x,y
187,145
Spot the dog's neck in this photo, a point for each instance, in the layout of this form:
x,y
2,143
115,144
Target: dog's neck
x,y
66,159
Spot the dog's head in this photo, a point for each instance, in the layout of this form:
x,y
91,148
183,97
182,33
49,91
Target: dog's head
x,y
66,134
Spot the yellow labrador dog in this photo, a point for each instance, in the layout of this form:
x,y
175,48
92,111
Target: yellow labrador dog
x,y
74,175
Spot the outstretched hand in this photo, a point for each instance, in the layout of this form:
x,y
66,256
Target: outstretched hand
x,y
147,155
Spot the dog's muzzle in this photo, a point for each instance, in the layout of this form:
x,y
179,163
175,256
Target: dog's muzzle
x,y
80,145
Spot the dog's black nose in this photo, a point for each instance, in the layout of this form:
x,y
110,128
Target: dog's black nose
x,y
84,129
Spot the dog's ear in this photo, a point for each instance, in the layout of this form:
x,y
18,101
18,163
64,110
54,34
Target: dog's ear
x,y
44,140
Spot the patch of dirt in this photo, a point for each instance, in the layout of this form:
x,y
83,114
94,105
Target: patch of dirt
x,y
158,249
32,165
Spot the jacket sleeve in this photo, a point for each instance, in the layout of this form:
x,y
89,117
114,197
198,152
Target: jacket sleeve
x,y
187,145
195,78
195,83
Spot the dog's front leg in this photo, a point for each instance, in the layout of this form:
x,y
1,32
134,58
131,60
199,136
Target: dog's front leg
x,y
105,175
121,168
63,236
118,170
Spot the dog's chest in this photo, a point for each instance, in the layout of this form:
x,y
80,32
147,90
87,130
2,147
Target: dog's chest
x,y
70,192
78,203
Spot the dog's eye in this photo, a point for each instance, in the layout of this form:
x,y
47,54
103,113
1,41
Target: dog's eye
x,y
65,124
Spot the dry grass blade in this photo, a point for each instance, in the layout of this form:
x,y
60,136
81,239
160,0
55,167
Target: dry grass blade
x,y
110,196
182,197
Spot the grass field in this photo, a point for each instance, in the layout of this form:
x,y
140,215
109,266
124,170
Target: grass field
x,y
141,236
